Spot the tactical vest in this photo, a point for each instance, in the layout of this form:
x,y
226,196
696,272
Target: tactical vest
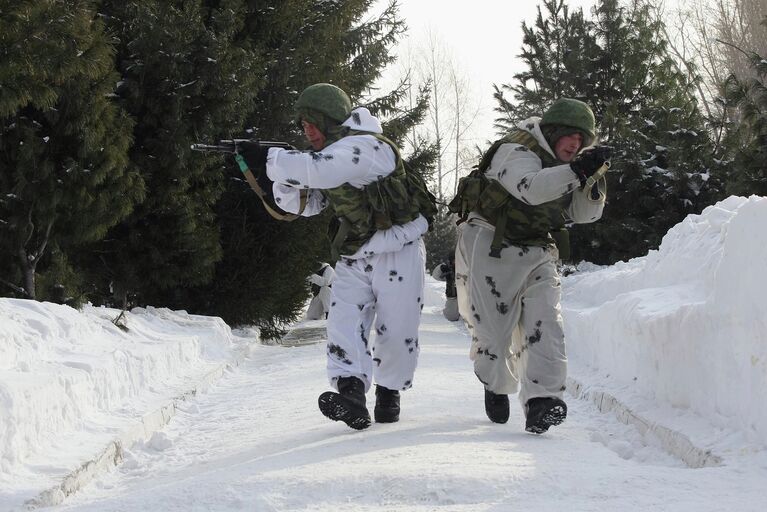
x,y
395,199
515,221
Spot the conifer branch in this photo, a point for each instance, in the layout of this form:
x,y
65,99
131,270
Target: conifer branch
x,y
16,288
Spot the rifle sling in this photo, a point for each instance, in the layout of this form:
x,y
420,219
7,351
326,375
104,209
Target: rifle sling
x,y
251,179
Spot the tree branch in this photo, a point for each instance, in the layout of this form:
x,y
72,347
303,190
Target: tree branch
x,y
15,288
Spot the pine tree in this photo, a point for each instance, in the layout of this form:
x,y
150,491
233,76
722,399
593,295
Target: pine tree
x,y
184,81
64,174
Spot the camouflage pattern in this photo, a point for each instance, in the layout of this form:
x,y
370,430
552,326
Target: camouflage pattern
x,y
515,221
392,200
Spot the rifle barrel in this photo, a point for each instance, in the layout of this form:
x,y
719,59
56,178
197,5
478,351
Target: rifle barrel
x,y
231,146
219,148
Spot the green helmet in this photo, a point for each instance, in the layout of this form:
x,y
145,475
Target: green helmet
x,y
571,113
326,99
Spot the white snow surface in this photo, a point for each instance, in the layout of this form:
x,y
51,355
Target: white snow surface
x,y
678,336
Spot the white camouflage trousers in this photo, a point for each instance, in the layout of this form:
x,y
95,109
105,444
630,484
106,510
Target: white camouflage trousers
x,y
511,307
386,288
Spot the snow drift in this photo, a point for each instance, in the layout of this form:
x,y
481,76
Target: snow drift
x,y
683,327
64,372
685,324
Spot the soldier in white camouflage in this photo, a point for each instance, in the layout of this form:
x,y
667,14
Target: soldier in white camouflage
x,y
527,187
381,212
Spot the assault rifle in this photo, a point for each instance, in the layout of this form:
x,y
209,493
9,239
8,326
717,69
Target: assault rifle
x,y
233,145
260,183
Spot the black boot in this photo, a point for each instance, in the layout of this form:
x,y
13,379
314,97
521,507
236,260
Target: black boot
x,y
387,405
348,405
496,407
544,412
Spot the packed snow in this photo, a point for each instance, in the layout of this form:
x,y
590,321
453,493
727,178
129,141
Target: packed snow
x,y
676,338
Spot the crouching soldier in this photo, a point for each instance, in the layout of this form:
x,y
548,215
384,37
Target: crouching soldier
x,y
528,185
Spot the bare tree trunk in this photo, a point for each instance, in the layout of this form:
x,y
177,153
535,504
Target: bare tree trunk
x,y
458,109
435,108
29,281
28,259
449,117
17,289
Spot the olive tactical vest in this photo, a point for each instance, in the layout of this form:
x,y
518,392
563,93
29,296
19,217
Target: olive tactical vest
x,y
515,221
395,199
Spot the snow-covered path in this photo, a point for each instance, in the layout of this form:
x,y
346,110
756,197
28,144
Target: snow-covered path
x,y
257,442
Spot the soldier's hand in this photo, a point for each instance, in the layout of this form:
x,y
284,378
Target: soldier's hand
x,y
589,161
255,155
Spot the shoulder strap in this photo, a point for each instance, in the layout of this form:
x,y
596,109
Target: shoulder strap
x,y
516,136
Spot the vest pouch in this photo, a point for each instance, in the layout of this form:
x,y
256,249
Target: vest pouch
x,y
424,200
398,201
493,197
467,196
379,203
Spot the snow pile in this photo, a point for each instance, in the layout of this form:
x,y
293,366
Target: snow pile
x,y
684,325
75,376
681,332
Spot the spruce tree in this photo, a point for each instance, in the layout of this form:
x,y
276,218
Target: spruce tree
x,y
554,51
649,114
617,63
262,277
184,81
64,174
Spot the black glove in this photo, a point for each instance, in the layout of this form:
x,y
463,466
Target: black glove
x,y
254,155
589,161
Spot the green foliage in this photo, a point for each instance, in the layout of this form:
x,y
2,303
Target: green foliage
x,y
96,160
61,282
183,80
64,174
650,115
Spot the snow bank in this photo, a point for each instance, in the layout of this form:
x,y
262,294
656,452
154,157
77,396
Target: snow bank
x,y
66,374
685,325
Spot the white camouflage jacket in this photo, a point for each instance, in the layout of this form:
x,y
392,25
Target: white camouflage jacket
x,y
522,174
357,160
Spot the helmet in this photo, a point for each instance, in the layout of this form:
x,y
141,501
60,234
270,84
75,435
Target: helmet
x,y
573,114
326,99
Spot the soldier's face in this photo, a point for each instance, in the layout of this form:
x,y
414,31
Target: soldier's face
x,y
567,147
315,137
